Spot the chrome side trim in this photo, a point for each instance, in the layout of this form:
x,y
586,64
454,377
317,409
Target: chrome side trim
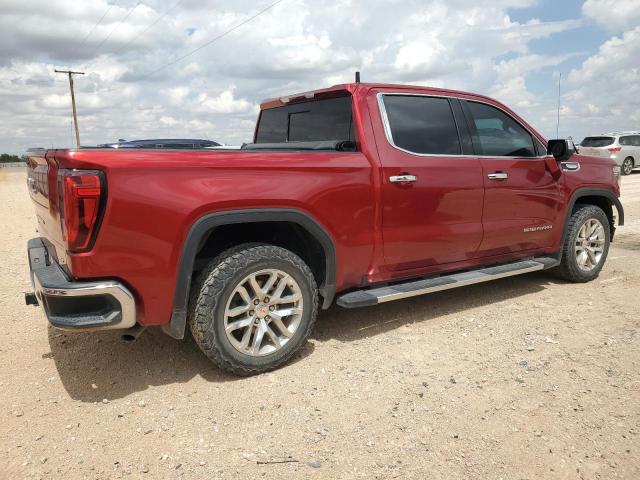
x,y
388,134
412,288
461,280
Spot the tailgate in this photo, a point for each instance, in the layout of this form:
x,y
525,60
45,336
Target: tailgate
x,y
42,183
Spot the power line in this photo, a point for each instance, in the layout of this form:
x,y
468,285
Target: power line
x,y
118,25
148,28
213,40
97,23
206,44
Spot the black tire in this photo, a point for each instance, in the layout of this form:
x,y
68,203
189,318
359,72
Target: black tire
x,y
211,292
627,166
569,269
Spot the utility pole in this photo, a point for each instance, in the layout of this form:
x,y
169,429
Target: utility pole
x,y
73,101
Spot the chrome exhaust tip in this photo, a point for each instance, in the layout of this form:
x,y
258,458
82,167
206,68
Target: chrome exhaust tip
x,y
131,334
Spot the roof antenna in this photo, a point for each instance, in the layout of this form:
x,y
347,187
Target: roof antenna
x,y
558,123
357,77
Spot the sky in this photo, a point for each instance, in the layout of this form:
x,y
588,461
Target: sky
x,y
142,81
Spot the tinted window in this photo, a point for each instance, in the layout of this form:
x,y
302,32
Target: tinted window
x,y
499,135
318,120
422,124
597,141
541,149
631,140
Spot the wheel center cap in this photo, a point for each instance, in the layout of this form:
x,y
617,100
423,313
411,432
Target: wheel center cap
x,y
262,311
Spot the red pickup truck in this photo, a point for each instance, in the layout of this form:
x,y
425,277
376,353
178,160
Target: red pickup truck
x,y
358,193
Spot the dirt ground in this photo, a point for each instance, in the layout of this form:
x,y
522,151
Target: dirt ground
x,y
523,378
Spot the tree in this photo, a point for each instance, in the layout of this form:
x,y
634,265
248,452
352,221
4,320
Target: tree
x,y
6,158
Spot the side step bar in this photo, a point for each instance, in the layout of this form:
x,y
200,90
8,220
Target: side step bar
x,y
373,296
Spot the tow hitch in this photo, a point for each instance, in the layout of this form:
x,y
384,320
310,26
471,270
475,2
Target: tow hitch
x,y
30,298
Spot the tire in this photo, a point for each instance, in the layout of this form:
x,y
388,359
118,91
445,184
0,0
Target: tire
x,y
571,267
273,330
627,166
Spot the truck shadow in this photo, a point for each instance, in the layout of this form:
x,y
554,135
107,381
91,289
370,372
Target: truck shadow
x,y
100,365
351,325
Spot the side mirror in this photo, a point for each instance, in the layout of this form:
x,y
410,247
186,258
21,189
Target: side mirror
x,y
561,149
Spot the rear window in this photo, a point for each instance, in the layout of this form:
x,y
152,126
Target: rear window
x,y
597,141
315,121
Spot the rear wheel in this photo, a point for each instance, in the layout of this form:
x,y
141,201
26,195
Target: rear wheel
x,y
627,166
586,244
253,308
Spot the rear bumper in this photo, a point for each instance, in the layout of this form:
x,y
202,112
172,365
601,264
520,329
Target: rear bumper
x,y
71,305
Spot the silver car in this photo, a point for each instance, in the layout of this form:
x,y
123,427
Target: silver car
x,y
623,147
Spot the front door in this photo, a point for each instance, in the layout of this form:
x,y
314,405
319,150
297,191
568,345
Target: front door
x,y
522,197
432,193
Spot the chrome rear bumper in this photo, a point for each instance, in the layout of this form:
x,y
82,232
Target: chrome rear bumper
x,y
71,305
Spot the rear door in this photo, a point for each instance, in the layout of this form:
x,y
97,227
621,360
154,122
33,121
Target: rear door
x,y
431,190
522,198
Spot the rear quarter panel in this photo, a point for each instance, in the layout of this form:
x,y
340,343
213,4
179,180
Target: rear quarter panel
x,y
155,197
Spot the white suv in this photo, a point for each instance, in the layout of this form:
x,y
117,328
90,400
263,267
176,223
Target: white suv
x,y
623,147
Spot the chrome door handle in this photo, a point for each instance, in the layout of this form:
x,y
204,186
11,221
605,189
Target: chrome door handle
x,y
498,176
403,179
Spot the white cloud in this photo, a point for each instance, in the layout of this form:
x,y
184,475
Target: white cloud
x,y
296,46
605,91
614,15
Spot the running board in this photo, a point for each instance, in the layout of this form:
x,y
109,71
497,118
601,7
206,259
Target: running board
x,y
365,298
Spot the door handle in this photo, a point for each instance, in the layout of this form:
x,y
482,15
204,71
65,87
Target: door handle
x,y
498,176
403,178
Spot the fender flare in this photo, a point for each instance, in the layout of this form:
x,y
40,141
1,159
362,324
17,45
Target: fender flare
x,y
201,227
591,192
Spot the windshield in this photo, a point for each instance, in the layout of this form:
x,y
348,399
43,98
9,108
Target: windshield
x,y
597,142
314,121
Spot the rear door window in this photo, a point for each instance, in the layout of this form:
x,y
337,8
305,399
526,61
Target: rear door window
x,y
595,142
318,120
497,134
422,125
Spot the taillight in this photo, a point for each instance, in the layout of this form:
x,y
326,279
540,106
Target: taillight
x,y
82,193
614,149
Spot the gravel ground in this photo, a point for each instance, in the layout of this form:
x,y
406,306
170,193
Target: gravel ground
x,y
523,378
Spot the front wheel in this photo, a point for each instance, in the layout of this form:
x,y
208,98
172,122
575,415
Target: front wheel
x,y
627,166
586,244
253,308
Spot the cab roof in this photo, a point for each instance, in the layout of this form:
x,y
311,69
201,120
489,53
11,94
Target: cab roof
x,y
350,88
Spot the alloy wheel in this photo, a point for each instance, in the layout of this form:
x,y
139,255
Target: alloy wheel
x,y
589,245
263,312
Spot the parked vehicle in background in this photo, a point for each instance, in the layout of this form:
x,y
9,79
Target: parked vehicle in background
x,y
623,147
163,143
357,193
